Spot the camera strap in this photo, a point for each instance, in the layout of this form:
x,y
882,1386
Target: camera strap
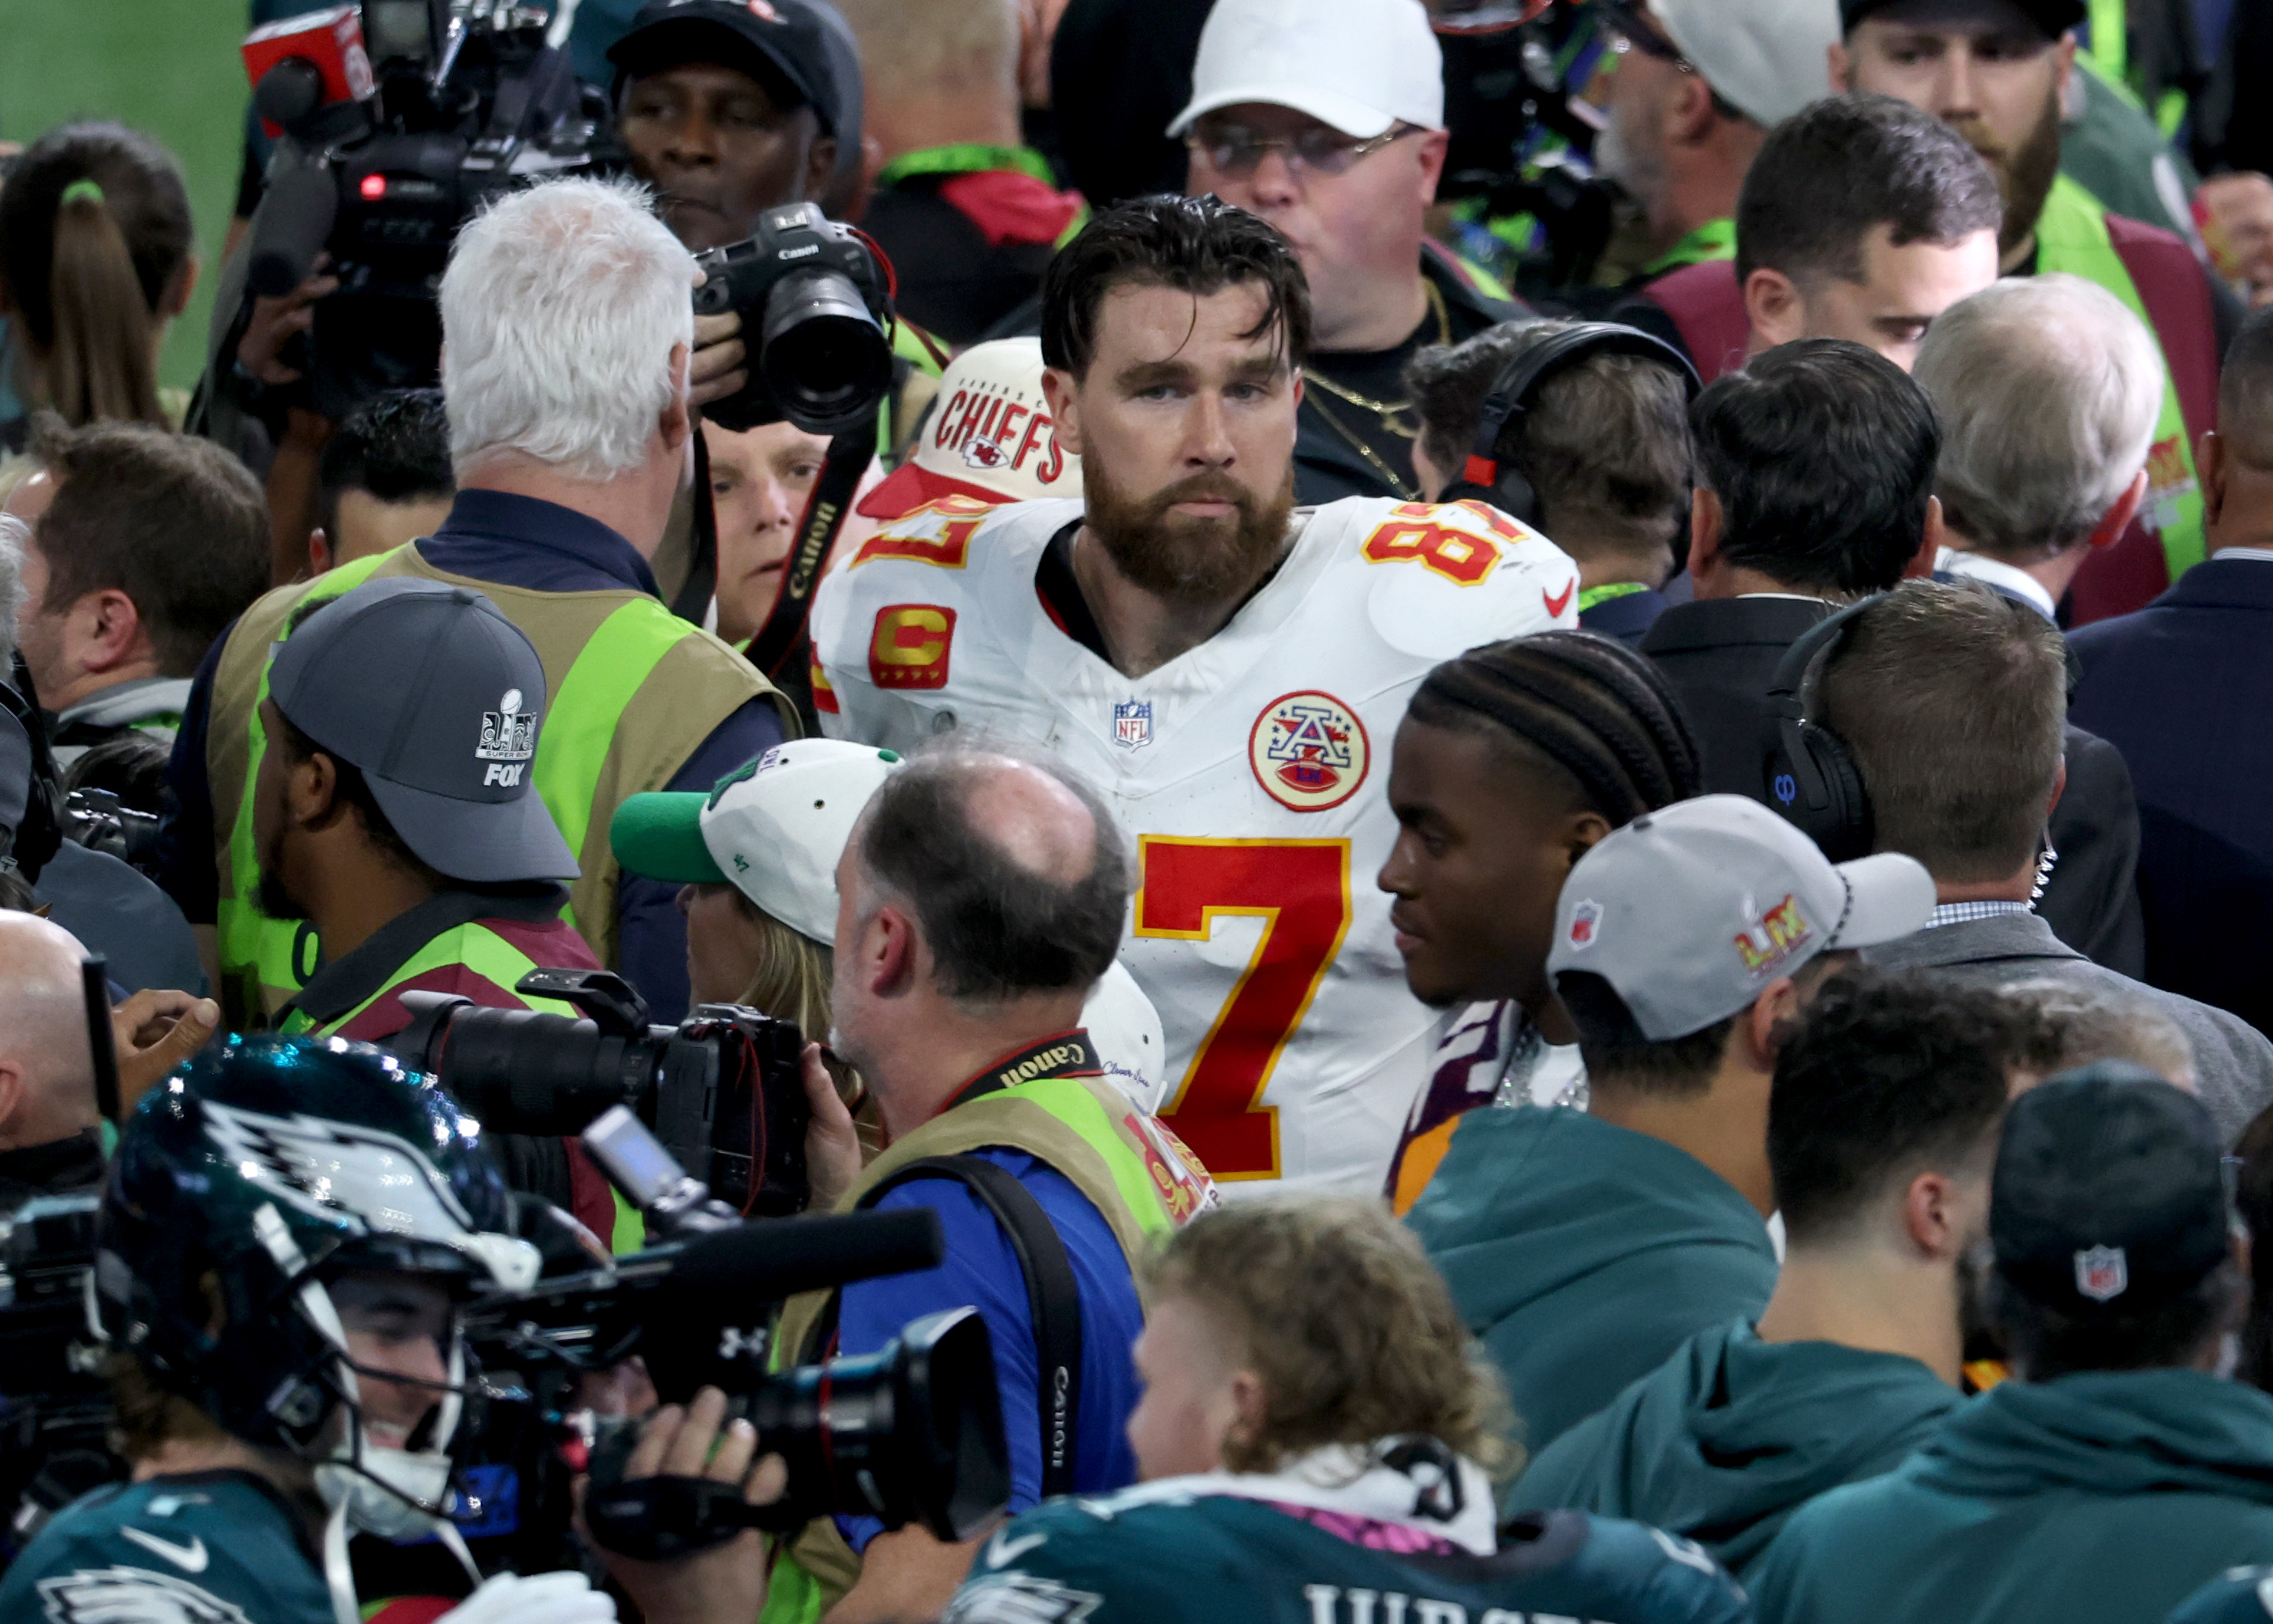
x,y
848,459
1053,1296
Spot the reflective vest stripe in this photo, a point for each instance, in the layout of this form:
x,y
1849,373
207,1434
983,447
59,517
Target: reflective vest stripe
x,y
2072,236
1125,1165
249,941
472,945
580,725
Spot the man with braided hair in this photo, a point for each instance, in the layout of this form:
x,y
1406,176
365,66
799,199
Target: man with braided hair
x,y
1513,760
1584,1246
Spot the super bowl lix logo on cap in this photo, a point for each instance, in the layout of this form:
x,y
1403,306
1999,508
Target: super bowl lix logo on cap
x,y
508,740
2102,1273
1308,751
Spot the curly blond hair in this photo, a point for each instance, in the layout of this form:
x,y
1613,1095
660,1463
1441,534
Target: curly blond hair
x,y
1352,1331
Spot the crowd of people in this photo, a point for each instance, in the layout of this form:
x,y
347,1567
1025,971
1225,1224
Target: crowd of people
x,y
1554,887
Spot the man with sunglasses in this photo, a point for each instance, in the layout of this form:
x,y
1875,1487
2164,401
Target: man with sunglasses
x,y
1326,117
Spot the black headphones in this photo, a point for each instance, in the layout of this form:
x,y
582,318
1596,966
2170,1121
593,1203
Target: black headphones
x,y
1811,779
1483,479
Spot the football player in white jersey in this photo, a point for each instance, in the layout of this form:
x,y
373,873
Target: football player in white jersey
x,y
1228,670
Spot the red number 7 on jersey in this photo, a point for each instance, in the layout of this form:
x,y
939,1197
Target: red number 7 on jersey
x,y
1300,888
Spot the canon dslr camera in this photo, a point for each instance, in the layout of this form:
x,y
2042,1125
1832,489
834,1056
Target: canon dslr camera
x,y
814,299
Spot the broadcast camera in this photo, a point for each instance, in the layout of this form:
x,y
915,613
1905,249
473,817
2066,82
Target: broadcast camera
x,y
722,1090
913,1434
386,150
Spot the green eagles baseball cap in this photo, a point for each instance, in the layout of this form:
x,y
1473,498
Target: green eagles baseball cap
x,y
774,829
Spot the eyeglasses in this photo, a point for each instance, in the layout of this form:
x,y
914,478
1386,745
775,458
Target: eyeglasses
x,y
1234,151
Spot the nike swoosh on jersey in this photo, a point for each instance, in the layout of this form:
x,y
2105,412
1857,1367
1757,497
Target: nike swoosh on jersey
x,y
190,1558
1001,1550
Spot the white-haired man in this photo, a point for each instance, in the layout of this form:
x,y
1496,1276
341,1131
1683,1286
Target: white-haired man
x,y
566,325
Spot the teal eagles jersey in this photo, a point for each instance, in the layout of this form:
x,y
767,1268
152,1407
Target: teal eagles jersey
x,y
209,1547
1144,1556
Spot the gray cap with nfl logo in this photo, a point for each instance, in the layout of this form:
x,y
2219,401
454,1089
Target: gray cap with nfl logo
x,y
1690,912
435,697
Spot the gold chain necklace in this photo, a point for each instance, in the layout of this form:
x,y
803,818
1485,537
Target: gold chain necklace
x,y
1387,411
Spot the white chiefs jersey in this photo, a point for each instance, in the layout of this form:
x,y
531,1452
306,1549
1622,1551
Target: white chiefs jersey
x,y
1250,771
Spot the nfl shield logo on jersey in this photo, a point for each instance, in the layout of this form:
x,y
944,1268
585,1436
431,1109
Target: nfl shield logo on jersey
x,y
2101,1273
1132,724
1308,752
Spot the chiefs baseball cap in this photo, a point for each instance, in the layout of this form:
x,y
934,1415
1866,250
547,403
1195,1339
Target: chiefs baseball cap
x,y
448,744
2110,1191
2054,17
780,44
988,436
1359,65
1688,912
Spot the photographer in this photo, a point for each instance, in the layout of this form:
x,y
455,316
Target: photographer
x,y
567,456
980,898
143,546
1314,1436
285,1236
400,822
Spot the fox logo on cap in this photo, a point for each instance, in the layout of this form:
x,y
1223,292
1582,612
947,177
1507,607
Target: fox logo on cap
x,y
508,740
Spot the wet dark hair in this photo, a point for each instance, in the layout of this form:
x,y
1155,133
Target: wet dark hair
x,y
1197,245
395,446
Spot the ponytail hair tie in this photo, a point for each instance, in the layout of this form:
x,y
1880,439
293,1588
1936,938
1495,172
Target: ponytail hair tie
x,y
78,189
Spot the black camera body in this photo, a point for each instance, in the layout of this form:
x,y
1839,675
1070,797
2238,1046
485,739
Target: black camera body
x,y
814,297
472,105
55,1412
722,1090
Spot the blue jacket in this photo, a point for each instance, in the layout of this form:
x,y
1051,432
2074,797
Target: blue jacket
x,y
2178,688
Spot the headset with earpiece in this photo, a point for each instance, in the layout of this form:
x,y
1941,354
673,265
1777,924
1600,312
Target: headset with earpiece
x,y
1484,478
1811,778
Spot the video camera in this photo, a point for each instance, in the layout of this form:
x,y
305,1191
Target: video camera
x,y
722,1090
912,1434
386,150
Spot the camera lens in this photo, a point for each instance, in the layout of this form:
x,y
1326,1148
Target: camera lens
x,y
912,1434
824,356
526,1071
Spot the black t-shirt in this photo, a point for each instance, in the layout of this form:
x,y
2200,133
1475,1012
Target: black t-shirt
x,y
1379,376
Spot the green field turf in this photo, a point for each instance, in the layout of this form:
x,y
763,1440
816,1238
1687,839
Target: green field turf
x,y
167,67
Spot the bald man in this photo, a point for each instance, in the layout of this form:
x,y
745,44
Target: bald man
x,y
49,1132
979,899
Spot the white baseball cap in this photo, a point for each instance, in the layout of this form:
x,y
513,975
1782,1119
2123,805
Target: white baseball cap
x,y
1765,58
1125,1031
773,830
989,436
1359,65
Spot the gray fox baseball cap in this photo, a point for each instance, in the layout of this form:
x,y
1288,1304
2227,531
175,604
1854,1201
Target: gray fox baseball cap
x,y
1690,912
436,696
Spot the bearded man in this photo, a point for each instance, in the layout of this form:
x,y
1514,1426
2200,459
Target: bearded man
x,y
1221,665
1995,71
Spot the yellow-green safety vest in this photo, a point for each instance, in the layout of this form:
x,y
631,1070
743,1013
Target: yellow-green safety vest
x,y
1131,1169
265,961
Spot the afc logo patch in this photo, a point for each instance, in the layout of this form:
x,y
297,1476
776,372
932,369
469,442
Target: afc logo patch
x,y
1308,751
911,646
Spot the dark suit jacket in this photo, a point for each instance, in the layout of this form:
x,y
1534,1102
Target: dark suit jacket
x,y
2179,687
1720,655
2233,1065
